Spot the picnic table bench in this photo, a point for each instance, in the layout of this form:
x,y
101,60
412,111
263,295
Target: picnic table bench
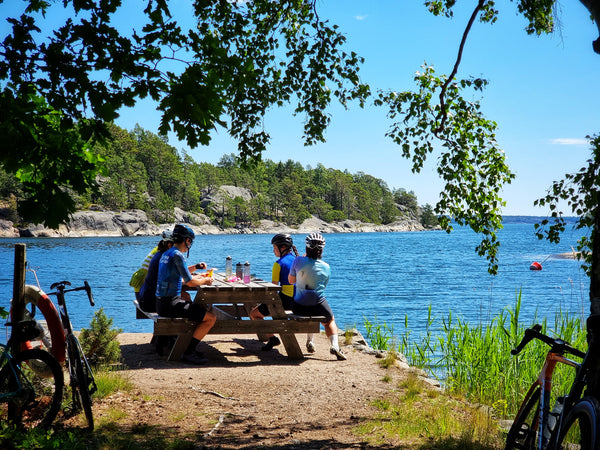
x,y
232,303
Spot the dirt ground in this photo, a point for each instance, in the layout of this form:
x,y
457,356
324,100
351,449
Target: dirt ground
x,y
247,398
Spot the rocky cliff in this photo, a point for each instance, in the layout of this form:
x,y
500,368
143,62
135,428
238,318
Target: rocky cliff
x,y
136,223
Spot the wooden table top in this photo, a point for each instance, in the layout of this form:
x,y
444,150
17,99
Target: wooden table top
x,y
256,284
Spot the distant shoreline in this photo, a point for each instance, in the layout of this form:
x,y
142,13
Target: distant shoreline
x,y
136,223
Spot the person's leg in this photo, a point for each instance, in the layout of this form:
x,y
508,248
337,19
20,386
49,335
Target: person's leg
x,y
310,342
259,313
255,314
204,327
206,320
331,330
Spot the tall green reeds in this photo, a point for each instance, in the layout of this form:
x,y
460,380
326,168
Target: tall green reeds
x,y
475,361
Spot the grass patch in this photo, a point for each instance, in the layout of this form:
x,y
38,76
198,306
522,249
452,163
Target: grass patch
x,y
389,359
110,380
348,335
475,361
414,419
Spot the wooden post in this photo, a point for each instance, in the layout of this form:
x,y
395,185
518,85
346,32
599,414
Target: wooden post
x,y
18,303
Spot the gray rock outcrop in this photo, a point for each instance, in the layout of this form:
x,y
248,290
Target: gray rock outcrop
x,y
136,223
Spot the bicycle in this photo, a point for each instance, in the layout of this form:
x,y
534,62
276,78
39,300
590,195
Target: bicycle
x,y
31,381
81,378
573,421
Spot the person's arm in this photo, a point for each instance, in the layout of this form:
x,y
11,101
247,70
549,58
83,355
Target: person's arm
x,y
292,274
199,281
275,273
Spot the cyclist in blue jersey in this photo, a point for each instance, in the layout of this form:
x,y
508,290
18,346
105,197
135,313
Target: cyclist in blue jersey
x,y
285,251
310,274
172,275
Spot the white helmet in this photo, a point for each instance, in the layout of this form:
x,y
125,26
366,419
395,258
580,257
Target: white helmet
x,y
315,240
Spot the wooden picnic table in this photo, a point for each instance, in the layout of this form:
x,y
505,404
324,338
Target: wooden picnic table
x,y
232,303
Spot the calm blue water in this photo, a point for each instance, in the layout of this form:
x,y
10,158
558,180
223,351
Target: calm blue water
x,y
374,275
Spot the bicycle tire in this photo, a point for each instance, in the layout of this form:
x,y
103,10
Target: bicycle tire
x,y
80,379
523,432
581,426
41,379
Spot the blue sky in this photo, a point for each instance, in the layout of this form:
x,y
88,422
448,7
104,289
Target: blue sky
x,y
541,94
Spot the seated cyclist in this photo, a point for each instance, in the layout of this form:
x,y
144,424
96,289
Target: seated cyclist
x,y
172,274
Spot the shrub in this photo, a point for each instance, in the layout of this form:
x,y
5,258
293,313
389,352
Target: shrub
x,y
100,343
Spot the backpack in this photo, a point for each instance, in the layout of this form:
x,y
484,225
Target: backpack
x,y
137,279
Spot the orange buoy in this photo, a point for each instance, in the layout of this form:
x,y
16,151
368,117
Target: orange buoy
x,y
535,266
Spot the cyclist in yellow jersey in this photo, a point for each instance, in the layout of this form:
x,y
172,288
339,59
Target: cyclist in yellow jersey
x,y
284,249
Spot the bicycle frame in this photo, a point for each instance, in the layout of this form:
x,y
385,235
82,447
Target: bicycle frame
x,y
62,304
83,384
536,429
544,381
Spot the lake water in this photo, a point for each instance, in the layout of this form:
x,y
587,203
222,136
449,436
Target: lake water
x,y
381,276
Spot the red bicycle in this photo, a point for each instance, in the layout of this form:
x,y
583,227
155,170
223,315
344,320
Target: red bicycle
x,y
573,422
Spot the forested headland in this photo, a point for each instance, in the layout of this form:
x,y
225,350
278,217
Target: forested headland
x,y
142,171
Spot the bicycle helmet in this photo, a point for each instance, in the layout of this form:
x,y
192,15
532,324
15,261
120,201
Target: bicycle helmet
x,y
315,240
167,234
282,239
183,232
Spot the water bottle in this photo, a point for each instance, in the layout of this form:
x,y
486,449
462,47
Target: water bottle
x,y
238,270
228,267
246,272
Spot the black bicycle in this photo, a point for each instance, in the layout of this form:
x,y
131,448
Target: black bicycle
x,y
81,378
574,420
31,380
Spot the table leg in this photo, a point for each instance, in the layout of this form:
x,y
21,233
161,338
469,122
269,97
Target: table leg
x,y
181,344
288,339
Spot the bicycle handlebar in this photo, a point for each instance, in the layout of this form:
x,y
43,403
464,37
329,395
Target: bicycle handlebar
x,y
60,287
557,345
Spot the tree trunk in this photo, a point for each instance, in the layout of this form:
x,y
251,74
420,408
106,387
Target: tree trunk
x,y
593,7
593,322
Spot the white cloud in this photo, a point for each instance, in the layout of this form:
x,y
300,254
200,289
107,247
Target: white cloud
x,y
360,17
569,141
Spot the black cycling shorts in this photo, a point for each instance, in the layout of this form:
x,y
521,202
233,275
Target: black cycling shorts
x,y
286,301
178,307
320,309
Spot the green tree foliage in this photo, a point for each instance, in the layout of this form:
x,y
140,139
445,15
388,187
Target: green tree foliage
x,y
59,89
472,165
471,149
428,217
144,172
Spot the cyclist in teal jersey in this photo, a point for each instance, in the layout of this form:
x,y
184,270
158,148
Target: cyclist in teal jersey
x,y
310,274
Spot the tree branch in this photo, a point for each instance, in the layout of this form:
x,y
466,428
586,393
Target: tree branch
x,y
443,111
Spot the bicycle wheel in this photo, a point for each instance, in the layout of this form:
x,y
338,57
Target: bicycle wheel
x,y
523,432
580,429
80,379
32,384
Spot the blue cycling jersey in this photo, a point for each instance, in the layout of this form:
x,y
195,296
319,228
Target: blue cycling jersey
x,y
172,268
312,276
